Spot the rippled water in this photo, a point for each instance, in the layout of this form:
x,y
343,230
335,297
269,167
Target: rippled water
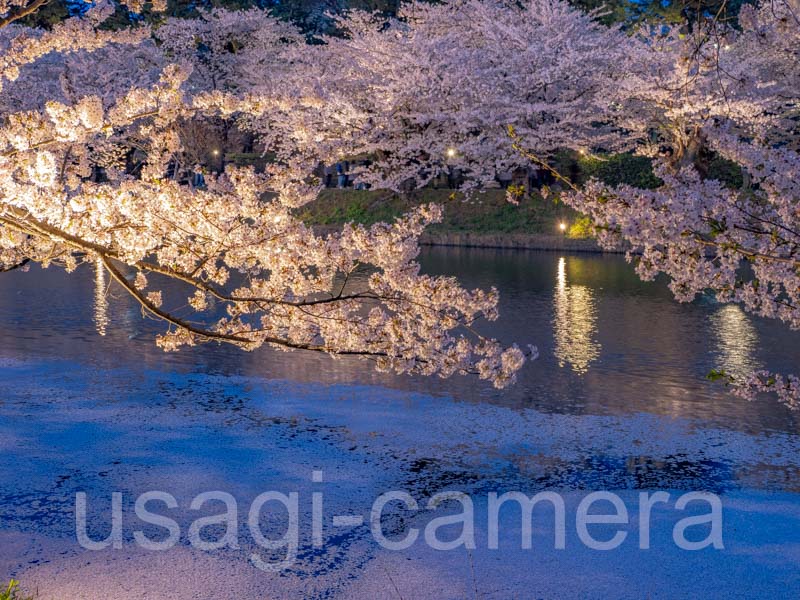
x,y
609,343
618,400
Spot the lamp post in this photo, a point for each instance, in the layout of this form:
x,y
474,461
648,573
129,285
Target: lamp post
x,y
451,176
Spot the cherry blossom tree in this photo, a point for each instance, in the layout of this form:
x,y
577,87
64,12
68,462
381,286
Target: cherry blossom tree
x,y
231,50
253,273
732,93
479,86
435,88
442,86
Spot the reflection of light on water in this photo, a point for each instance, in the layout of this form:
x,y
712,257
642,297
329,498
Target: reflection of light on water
x,y
737,340
100,300
575,323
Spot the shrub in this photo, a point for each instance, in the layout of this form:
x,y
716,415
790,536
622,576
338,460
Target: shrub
x,y
12,592
581,228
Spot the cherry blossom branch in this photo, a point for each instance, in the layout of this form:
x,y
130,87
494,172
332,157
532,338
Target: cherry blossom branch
x,y
23,12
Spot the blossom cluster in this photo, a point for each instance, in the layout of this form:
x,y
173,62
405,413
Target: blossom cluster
x,y
97,126
719,94
253,272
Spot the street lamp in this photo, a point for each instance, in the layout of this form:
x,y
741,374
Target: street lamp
x,y
562,226
451,152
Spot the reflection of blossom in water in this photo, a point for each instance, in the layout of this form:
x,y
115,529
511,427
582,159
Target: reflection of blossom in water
x,y
100,300
575,326
737,340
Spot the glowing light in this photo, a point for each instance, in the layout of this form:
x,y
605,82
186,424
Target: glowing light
x,y
574,324
562,226
100,300
737,340
451,152
215,152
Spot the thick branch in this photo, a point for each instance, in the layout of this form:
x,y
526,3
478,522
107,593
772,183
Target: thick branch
x,y
152,308
22,12
213,335
16,266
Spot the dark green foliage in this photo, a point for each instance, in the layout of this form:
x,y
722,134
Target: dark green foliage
x,y
616,169
312,15
612,169
615,11
726,171
687,12
48,15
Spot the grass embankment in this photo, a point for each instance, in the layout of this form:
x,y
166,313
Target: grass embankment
x,y
487,219
487,211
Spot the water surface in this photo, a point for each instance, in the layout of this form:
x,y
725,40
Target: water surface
x,y
617,401
609,343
